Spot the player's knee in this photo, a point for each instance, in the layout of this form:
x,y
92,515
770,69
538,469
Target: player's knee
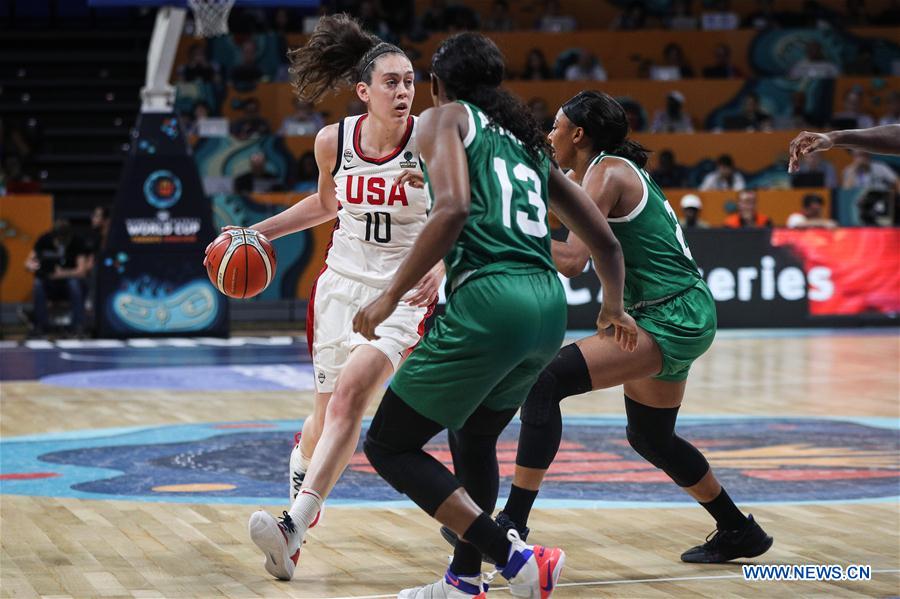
x,y
347,404
541,400
652,447
651,433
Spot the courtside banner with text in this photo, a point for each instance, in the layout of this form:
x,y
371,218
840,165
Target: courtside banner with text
x,y
784,277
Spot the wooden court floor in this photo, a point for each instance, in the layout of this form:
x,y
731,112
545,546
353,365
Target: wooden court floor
x,y
55,546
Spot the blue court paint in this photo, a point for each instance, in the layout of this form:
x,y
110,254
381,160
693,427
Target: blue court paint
x,y
760,460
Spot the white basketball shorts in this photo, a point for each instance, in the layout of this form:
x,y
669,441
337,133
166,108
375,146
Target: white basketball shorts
x,y
329,326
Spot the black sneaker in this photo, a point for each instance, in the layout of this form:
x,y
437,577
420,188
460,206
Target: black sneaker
x,y
502,520
725,545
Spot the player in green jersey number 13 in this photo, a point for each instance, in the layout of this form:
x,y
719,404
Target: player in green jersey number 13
x,y
487,170
676,316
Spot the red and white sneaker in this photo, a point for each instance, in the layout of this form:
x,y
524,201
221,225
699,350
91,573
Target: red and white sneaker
x,y
532,570
279,541
450,586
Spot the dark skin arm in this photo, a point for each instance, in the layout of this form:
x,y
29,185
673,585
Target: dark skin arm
x,y
884,139
440,134
577,210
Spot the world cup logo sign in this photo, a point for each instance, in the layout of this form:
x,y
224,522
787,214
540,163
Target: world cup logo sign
x,y
162,189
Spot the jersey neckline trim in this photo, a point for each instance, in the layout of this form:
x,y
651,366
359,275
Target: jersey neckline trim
x,y
470,134
357,147
641,205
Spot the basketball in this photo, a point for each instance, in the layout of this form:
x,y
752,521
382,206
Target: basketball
x,y
241,263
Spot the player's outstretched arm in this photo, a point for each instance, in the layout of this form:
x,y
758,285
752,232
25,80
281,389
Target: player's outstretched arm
x,y
314,209
884,139
579,213
440,133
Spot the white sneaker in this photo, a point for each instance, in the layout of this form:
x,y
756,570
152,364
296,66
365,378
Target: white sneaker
x,y
278,540
450,586
296,474
532,570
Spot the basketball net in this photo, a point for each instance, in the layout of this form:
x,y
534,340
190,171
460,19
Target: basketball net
x,y
211,16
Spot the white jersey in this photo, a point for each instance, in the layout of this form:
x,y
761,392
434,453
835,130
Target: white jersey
x,y
378,221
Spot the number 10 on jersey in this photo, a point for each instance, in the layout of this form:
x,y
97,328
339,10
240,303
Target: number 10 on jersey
x,y
378,226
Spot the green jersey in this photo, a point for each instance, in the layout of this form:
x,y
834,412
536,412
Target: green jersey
x,y
658,262
507,229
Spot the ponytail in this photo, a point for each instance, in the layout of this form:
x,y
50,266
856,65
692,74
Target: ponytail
x,y
338,52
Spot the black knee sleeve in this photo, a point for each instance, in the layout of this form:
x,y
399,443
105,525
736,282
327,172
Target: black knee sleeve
x,y
393,446
651,433
566,375
541,419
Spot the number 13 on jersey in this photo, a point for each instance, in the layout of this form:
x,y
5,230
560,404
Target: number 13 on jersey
x,y
534,227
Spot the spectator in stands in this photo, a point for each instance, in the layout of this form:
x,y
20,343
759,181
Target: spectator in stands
x,y
722,67
60,263
16,178
536,67
754,117
541,113
675,60
251,123
197,67
892,116
725,177
586,68
673,119
258,179
637,121
691,207
192,122
441,17
797,119
815,163
747,216
682,18
632,18
815,65
96,238
247,74
552,20
669,173
304,120
718,16
812,215
500,19
864,173
372,19
852,115
307,173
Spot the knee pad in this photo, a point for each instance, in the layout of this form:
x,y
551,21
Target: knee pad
x,y
566,375
651,433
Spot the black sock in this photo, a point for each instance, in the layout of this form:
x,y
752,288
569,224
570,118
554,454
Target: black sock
x,y
489,538
727,515
518,506
466,560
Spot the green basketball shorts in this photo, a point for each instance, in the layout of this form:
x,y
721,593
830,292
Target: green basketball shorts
x,y
488,348
683,327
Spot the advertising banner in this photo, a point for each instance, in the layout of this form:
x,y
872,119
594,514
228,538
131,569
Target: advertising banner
x,y
783,277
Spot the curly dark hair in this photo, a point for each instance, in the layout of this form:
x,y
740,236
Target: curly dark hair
x,y
338,52
471,68
604,122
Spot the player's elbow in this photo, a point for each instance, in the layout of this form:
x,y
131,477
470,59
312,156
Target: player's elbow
x,y
571,268
451,210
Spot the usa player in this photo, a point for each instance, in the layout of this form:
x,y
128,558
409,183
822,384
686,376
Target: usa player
x,y
370,178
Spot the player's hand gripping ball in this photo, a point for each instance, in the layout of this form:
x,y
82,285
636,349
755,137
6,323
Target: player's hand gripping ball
x,y
240,262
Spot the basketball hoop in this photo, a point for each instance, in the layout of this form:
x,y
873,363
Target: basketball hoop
x,y
211,16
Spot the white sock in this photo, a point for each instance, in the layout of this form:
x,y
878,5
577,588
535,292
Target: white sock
x,y
304,462
305,508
